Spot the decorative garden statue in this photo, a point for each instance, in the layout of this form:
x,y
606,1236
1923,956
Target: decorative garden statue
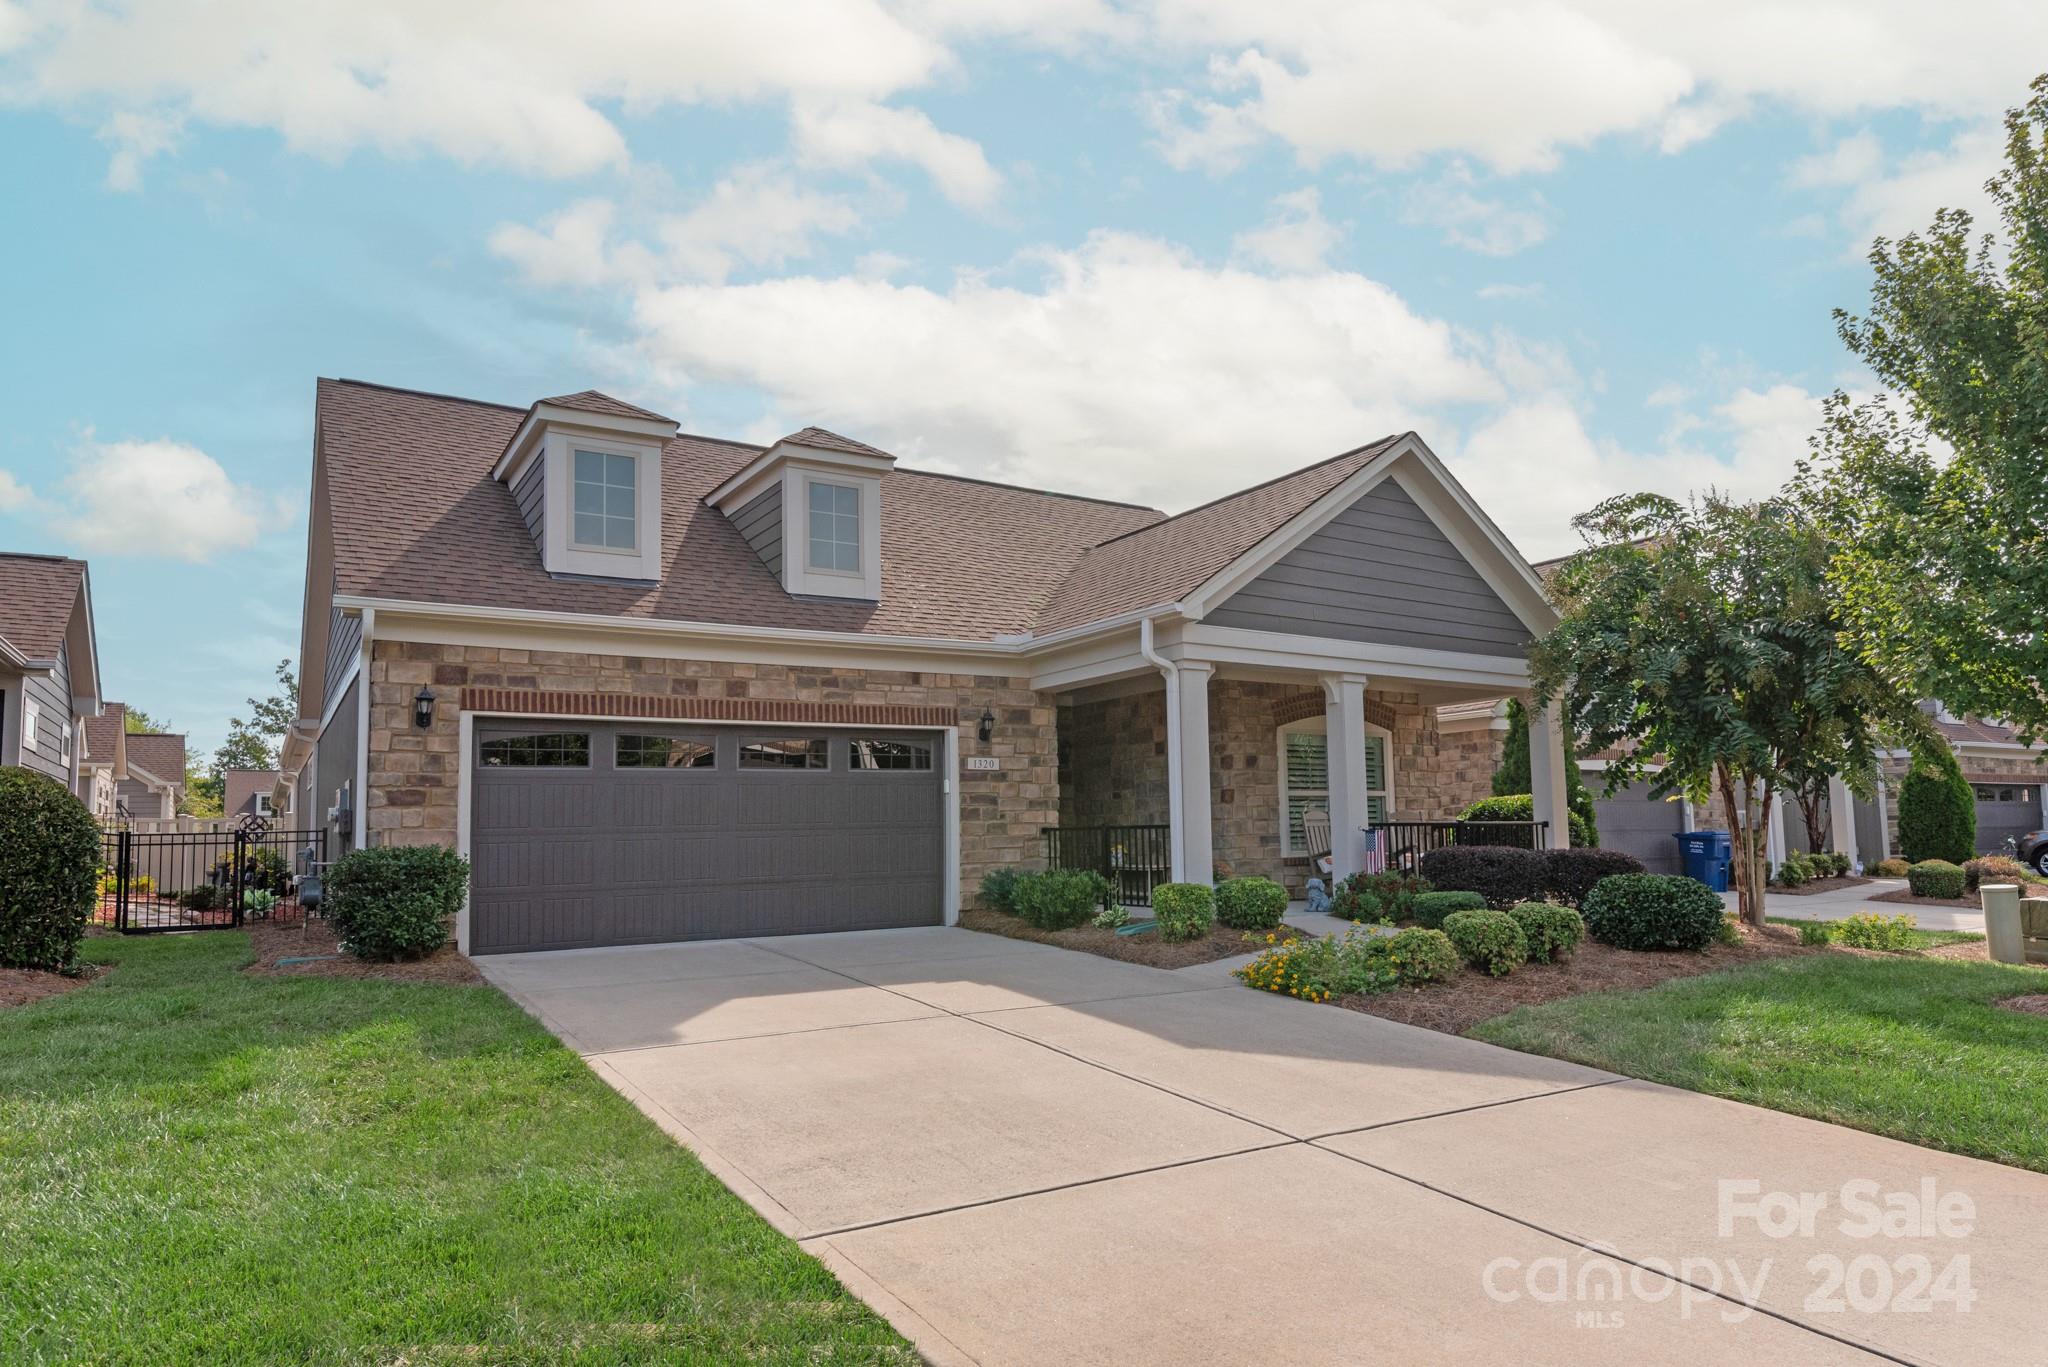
x,y
1318,896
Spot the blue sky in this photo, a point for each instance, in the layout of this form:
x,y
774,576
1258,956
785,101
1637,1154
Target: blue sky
x,y
1151,250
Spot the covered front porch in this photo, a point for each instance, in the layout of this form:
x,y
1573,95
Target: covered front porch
x,y
1210,769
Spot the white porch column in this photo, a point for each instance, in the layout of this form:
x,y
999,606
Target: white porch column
x,y
1774,835
1842,820
1546,776
1344,736
1188,696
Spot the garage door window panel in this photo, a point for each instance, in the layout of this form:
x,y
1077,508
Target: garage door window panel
x,y
663,752
883,756
547,750
784,753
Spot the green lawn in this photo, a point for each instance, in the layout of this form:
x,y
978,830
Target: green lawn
x,y
197,1165
1907,1047
1922,939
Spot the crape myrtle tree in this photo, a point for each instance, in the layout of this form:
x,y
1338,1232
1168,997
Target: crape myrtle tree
x,y
1936,493
1704,636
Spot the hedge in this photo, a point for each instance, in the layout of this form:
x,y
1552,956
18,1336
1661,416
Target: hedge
x,y
395,901
49,871
1184,911
1501,874
1250,903
1653,911
1430,908
1936,878
1522,807
1058,899
1568,875
1491,941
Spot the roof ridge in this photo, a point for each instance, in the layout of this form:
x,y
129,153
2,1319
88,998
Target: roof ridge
x,y
428,393
50,556
1253,488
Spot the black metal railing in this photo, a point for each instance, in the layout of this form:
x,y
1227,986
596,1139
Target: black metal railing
x,y
204,880
1405,842
1135,859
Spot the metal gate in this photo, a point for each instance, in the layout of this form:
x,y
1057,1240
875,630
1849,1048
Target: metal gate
x,y
205,880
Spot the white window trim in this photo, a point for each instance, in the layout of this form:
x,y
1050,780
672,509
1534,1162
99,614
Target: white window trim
x,y
797,575
597,448
854,487
263,805
64,743
31,724
1319,725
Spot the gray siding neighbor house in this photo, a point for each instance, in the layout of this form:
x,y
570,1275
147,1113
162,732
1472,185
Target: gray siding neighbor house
x,y
49,664
661,687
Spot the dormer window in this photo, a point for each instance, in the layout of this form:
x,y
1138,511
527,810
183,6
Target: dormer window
x,y
606,496
835,528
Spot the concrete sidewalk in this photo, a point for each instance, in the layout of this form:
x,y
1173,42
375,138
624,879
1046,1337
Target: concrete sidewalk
x,y
1846,902
1026,1155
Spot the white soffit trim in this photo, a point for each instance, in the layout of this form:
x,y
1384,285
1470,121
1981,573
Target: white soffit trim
x,y
756,471
544,416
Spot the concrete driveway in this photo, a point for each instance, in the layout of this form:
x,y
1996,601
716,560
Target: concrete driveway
x,y
1026,1155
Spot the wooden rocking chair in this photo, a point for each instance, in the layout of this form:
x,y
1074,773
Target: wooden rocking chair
x,y
1315,833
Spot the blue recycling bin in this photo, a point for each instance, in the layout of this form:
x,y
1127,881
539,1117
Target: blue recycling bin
x,y
1707,856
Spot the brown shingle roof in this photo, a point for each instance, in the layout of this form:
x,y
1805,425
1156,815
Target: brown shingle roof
x,y
163,756
590,401
103,733
1159,563
417,517
37,596
818,439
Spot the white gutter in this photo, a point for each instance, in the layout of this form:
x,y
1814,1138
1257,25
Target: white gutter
x,y
1171,671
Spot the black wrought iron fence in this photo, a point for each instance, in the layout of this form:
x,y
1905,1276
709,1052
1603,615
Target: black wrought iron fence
x,y
1135,859
1406,842
204,879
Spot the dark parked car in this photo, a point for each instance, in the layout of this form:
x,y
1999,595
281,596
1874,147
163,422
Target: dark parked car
x,y
2033,851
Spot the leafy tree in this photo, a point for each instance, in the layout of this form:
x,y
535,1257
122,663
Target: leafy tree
x,y
254,744
139,723
203,793
1512,778
1706,636
1937,811
1938,498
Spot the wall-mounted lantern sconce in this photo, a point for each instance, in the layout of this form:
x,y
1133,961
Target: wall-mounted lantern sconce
x,y
423,707
987,727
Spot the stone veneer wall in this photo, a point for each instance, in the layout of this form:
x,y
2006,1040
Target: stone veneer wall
x,y
413,773
1113,768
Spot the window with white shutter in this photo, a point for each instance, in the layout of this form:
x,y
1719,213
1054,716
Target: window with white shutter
x,y
1305,776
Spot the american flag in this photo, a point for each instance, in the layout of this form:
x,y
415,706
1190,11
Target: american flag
x,y
1374,858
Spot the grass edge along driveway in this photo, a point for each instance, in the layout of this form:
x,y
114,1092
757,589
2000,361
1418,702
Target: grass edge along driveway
x,y
203,1165
1909,1047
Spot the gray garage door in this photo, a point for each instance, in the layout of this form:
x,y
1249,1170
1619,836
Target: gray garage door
x,y
1642,825
2005,809
638,833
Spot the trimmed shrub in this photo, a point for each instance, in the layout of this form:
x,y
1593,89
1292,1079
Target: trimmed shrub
x,y
1250,903
1796,871
1835,862
1814,933
1995,868
998,888
1058,899
1568,875
49,872
1184,911
1937,812
1501,874
1420,956
1552,931
395,901
1935,878
1890,868
1522,807
1868,930
1388,896
1431,907
1653,911
1488,940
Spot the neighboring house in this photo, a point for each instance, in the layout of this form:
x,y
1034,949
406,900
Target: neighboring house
x,y
49,664
103,762
155,779
249,792
660,686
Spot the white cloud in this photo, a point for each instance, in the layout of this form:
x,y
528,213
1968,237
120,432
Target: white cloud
x,y
1509,290
848,134
1491,227
1295,237
1893,196
14,495
162,498
526,84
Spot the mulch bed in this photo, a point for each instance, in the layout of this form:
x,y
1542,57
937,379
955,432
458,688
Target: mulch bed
x,y
1471,997
20,986
1808,889
295,940
1220,943
2035,1004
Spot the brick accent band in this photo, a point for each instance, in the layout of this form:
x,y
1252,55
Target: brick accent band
x,y
1312,705
548,703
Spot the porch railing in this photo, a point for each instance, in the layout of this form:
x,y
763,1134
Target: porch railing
x,y
1407,841
1135,859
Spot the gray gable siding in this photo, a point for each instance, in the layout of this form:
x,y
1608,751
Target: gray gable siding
x,y
1379,571
334,763
531,506
51,693
760,522
344,642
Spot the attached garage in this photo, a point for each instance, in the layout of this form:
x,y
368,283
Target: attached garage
x,y
1640,825
2005,809
608,833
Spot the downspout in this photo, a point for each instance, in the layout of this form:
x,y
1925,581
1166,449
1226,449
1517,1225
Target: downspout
x,y
1171,672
